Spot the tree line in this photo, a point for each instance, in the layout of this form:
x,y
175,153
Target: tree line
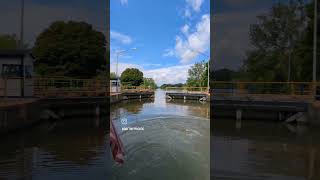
x,y
134,77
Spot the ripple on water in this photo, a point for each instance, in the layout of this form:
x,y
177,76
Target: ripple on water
x,y
172,147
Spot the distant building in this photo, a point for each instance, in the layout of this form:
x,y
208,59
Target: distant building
x,y
16,72
113,86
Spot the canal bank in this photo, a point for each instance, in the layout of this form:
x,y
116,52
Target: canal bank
x,y
314,113
27,113
118,97
19,113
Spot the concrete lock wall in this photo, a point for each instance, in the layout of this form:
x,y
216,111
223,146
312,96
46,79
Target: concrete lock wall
x,y
18,116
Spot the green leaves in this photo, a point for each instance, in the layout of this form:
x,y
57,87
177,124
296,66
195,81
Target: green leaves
x,y
283,35
75,46
198,75
132,76
8,42
149,83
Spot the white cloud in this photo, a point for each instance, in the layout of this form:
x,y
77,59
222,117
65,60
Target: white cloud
x,y
169,75
124,39
186,49
172,74
123,66
192,6
124,2
185,29
168,52
195,4
187,13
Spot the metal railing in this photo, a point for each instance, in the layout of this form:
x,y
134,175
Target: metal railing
x,y
188,89
136,89
70,87
307,89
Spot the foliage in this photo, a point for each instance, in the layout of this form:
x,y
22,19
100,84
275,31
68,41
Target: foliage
x,y
132,76
113,76
71,49
198,75
224,75
163,86
10,42
149,82
282,39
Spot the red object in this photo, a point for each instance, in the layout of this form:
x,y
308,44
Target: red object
x,y
116,145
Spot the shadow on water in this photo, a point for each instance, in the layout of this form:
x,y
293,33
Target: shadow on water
x,y
264,150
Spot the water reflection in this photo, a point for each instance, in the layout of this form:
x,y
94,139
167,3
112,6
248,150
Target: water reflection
x,y
264,150
71,149
174,143
159,106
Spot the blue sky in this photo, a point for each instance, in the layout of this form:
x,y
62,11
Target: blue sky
x,y
167,35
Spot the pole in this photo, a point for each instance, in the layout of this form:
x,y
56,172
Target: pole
x,y
289,66
22,25
208,75
21,47
314,77
117,73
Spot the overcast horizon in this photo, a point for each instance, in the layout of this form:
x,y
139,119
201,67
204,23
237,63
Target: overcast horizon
x,y
39,14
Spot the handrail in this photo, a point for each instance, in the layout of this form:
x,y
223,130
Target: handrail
x,y
188,89
136,89
264,88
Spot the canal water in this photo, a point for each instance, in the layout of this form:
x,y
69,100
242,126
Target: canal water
x,y
174,143
262,150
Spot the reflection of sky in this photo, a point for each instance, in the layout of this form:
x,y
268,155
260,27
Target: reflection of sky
x,y
160,108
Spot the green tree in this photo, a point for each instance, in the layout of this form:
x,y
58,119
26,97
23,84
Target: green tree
x,y
198,75
113,76
9,42
224,75
132,76
71,49
149,82
163,86
275,38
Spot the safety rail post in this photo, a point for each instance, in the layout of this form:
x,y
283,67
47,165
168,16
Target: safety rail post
x,y
292,88
5,85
